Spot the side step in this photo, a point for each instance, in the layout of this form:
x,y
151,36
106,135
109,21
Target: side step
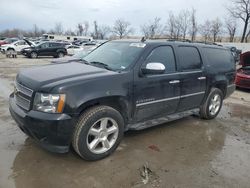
x,y
161,120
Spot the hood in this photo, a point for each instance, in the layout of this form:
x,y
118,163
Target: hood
x,y
52,75
244,71
29,42
245,59
66,59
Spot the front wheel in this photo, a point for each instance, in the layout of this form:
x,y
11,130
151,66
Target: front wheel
x,y
33,55
98,132
211,108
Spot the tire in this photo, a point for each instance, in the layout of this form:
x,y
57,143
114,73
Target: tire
x,y
60,55
98,133
212,106
33,55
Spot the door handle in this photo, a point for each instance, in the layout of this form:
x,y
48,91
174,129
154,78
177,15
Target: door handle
x,y
202,78
174,81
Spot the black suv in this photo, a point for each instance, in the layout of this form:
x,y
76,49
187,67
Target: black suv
x,y
54,49
120,86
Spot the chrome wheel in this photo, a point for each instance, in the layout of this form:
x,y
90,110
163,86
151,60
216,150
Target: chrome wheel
x,y
102,135
33,55
215,104
60,55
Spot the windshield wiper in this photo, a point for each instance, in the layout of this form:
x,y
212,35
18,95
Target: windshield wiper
x,y
101,64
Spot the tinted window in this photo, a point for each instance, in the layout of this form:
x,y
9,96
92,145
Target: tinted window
x,y
44,45
164,55
189,58
51,37
55,44
218,56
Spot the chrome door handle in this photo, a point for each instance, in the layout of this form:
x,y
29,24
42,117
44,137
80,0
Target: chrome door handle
x,y
202,78
174,81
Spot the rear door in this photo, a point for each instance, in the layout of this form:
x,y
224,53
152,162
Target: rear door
x,y
192,77
157,94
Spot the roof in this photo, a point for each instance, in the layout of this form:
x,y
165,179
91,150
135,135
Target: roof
x,y
171,41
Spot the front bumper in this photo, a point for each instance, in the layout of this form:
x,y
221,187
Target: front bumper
x,y
52,131
242,82
230,90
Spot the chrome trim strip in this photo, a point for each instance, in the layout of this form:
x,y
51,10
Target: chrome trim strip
x,y
168,99
193,94
232,85
176,73
157,101
23,89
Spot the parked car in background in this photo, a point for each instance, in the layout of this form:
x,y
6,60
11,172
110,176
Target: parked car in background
x,y
73,49
16,46
77,57
243,73
8,41
54,49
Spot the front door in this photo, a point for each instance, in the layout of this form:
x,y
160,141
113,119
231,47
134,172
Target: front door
x,y
158,94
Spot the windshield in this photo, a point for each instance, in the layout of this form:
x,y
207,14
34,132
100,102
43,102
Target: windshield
x,y
116,55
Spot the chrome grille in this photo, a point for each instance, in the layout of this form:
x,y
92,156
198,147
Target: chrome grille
x,y
23,96
26,91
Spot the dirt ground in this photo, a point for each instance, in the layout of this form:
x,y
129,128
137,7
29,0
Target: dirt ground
x,y
186,153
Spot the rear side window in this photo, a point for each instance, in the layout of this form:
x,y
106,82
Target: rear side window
x,y
55,44
164,55
189,58
218,56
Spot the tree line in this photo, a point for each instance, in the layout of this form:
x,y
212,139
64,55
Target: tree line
x,y
182,25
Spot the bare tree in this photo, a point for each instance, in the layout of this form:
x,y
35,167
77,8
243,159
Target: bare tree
x,y
152,29
122,28
58,29
35,31
173,26
216,28
96,31
240,9
205,30
69,32
103,31
231,26
86,28
183,22
193,25
79,29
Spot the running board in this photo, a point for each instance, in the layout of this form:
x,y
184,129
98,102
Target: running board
x,y
161,120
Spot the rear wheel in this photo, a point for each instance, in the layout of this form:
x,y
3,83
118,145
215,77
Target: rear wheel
x,y
211,108
33,55
60,55
98,132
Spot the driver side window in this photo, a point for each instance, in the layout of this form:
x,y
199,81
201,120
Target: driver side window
x,y
164,55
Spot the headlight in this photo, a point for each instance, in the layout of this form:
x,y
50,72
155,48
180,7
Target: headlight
x,y
50,103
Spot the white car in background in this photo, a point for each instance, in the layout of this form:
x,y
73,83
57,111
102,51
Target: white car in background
x,y
16,46
73,49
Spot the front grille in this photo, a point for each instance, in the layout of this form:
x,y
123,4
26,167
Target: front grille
x,y
23,96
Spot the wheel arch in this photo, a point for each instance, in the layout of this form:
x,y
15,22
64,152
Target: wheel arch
x,y
119,103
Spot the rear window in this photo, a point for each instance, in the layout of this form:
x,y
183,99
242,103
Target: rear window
x,y
189,58
218,56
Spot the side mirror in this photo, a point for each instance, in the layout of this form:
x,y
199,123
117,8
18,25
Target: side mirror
x,y
153,68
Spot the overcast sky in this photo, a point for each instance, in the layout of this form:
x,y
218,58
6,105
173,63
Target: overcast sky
x,y
45,13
